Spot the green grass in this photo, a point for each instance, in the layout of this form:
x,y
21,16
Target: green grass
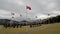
x,y
50,29
44,29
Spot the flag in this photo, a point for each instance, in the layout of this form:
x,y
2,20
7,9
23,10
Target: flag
x,y
48,14
28,7
12,17
12,14
36,17
20,15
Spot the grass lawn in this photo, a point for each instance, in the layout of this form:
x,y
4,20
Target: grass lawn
x,y
44,29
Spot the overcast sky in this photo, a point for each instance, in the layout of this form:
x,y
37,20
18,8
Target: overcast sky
x,y
40,8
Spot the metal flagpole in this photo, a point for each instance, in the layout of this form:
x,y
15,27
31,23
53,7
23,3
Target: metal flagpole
x,y
26,15
48,18
11,18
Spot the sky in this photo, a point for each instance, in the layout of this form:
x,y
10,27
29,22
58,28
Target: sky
x,y
39,8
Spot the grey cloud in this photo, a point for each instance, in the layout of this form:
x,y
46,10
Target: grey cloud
x,y
39,7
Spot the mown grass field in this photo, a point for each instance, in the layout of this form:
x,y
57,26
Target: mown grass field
x,y
44,29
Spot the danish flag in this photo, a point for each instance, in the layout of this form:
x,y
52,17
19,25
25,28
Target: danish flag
x,y
28,7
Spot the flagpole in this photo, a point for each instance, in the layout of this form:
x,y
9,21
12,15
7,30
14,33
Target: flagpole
x,y
48,18
26,15
12,16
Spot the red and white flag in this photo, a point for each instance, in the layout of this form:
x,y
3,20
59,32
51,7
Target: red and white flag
x,y
28,7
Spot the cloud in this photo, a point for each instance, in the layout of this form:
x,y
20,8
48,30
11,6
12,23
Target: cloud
x,y
51,5
7,14
39,8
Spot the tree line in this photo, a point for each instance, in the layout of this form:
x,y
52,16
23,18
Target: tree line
x,y
55,19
